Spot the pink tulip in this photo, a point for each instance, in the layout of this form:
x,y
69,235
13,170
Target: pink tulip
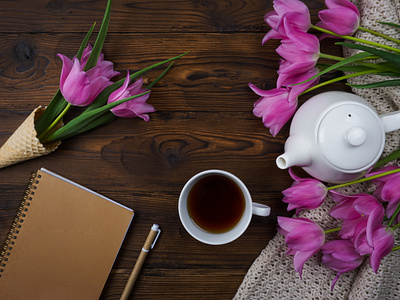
x,y
355,211
104,67
292,74
363,233
382,244
300,53
80,87
305,193
294,12
353,206
273,107
372,238
379,244
342,17
303,237
388,189
136,107
363,215
345,209
299,47
340,256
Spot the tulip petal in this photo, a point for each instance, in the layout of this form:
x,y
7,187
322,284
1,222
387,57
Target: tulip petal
x,y
119,93
76,87
383,245
296,239
284,6
299,260
288,224
66,68
341,17
375,220
345,210
341,3
347,25
136,107
273,108
366,203
391,189
350,227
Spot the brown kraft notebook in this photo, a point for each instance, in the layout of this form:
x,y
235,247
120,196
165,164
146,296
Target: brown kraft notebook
x,y
63,241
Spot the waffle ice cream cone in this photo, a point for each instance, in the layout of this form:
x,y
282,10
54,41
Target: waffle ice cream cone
x,y
23,144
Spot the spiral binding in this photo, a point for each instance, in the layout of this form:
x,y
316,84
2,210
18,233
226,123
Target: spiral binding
x,y
17,221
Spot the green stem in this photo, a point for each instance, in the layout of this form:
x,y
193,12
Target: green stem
x,y
351,38
396,248
333,57
393,217
361,63
59,117
364,179
379,34
332,230
396,226
339,58
338,79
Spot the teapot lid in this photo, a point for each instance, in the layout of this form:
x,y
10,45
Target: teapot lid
x,y
351,137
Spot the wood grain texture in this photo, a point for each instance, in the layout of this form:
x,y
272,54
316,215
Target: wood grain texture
x,y
203,120
143,16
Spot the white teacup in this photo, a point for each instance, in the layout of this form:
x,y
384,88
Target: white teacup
x,y
230,234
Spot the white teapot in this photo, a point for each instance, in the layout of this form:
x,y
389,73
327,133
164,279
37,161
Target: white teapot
x,y
336,137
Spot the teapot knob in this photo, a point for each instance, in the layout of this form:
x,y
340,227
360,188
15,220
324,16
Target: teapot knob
x,y
356,136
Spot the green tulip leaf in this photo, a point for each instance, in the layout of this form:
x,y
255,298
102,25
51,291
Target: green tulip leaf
x,y
388,56
85,41
392,156
88,124
346,68
390,24
98,45
55,107
149,87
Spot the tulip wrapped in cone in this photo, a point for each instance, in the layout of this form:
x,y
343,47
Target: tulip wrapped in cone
x,y
23,144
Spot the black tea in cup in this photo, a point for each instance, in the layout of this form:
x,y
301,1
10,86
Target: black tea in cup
x,y
216,203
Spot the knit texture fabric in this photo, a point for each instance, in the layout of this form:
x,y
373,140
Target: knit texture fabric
x,y
272,275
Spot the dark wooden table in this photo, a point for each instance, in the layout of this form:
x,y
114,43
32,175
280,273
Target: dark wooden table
x,y
204,120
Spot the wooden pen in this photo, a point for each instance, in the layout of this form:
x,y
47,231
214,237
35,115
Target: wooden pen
x,y
149,244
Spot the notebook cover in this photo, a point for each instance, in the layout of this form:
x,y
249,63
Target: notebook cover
x,y
67,242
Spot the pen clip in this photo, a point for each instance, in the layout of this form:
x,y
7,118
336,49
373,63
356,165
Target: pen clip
x,y
155,239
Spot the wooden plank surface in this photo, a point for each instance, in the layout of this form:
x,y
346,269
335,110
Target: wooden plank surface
x,y
204,120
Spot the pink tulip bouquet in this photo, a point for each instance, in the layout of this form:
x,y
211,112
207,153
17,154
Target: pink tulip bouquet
x,y
368,221
85,81
299,68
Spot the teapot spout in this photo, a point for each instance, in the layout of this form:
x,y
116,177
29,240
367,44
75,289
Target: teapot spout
x,y
391,121
297,153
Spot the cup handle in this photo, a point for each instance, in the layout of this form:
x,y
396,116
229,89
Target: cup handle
x,y
261,209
